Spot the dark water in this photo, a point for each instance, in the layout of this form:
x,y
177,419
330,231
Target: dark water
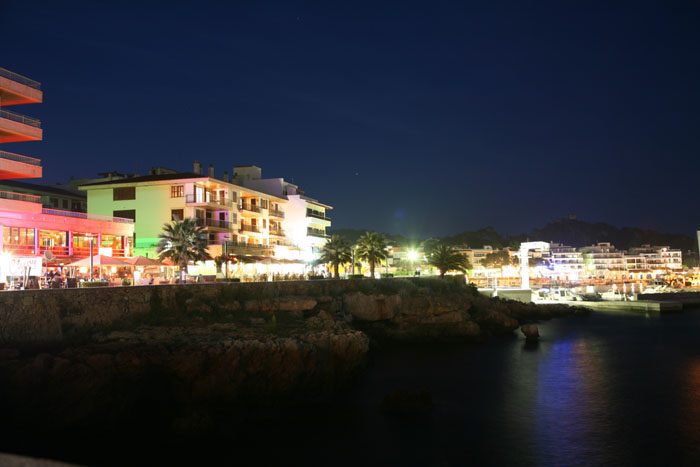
x,y
606,389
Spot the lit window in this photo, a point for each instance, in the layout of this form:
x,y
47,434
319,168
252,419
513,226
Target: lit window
x,y
177,191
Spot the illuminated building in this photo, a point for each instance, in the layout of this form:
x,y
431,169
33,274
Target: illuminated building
x,y
307,219
52,197
565,263
658,257
476,256
602,257
247,221
28,228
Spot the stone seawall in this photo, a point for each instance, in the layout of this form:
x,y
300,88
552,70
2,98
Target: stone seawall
x,y
398,307
34,316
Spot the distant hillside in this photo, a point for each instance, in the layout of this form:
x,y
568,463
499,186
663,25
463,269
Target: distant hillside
x,y
577,233
569,232
352,235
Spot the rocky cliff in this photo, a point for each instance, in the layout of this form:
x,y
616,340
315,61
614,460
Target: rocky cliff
x,y
178,350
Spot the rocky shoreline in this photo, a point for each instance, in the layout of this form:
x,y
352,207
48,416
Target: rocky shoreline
x,y
229,351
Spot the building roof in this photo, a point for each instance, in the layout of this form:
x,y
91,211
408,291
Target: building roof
x,y
41,188
148,178
177,176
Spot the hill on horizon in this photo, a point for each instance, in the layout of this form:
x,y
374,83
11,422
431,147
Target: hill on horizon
x,y
570,232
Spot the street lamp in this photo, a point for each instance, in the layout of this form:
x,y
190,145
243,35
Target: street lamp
x,y
412,256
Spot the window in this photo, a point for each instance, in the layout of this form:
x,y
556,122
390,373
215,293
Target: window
x,y
126,214
65,204
120,194
234,218
177,214
54,202
263,203
264,223
177,191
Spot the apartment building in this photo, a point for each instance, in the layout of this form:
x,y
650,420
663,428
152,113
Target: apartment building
x,y
51,197
657,257
29,228
476,256
601,257
307,218
565,262
247,221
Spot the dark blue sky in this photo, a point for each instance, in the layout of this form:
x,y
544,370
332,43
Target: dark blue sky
x,y
414,118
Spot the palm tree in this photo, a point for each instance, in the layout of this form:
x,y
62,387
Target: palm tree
x,y
336,251
371,247
446,259
183,241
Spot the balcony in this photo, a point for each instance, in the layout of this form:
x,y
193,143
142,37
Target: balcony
x,y
276,213
190,199
250,228
16,89
12,76
317,214
316,232
249,207
15,127
16,166
215,223
277,232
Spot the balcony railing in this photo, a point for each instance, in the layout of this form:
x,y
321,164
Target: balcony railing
x,y
18,249
277,213
19,78
278,232
16,157
84,215
248,245
55,250
190,199
20,197
316,232
249,207
250,228
20,118
214,223
317,214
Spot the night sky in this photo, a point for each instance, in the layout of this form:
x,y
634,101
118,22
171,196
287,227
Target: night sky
x,y
415,118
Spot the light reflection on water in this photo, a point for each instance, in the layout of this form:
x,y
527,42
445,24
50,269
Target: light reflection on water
x,y
608,389
605,389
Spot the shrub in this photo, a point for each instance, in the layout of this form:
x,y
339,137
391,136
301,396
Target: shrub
x,y
355,276
87,285
315,278
126,282
221,279
386,275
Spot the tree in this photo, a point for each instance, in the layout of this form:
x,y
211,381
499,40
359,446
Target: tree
x,y
497,259
371,247
446,259
183,241
336,251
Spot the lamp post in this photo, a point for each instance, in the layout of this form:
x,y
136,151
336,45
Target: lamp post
x,y
91,259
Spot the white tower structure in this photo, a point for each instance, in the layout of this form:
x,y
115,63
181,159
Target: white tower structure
x,y
524,269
